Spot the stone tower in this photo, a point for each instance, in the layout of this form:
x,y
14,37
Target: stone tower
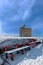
x,y
25,32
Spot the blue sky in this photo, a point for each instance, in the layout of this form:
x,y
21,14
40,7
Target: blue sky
x,y
15,13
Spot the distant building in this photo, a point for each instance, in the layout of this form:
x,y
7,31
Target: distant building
x,y
25,32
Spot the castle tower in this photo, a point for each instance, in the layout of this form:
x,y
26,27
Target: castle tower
x,y
25,32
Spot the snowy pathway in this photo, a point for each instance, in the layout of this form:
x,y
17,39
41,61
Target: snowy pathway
x,y
33,57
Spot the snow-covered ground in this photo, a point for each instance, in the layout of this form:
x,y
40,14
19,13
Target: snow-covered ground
x,y
33,57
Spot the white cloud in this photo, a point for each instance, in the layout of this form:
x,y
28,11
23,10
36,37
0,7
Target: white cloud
x,y
25,15
14,8
1,27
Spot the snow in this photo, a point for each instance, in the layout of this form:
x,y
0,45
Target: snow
x,y
6,37
14,50
33,57
1,61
